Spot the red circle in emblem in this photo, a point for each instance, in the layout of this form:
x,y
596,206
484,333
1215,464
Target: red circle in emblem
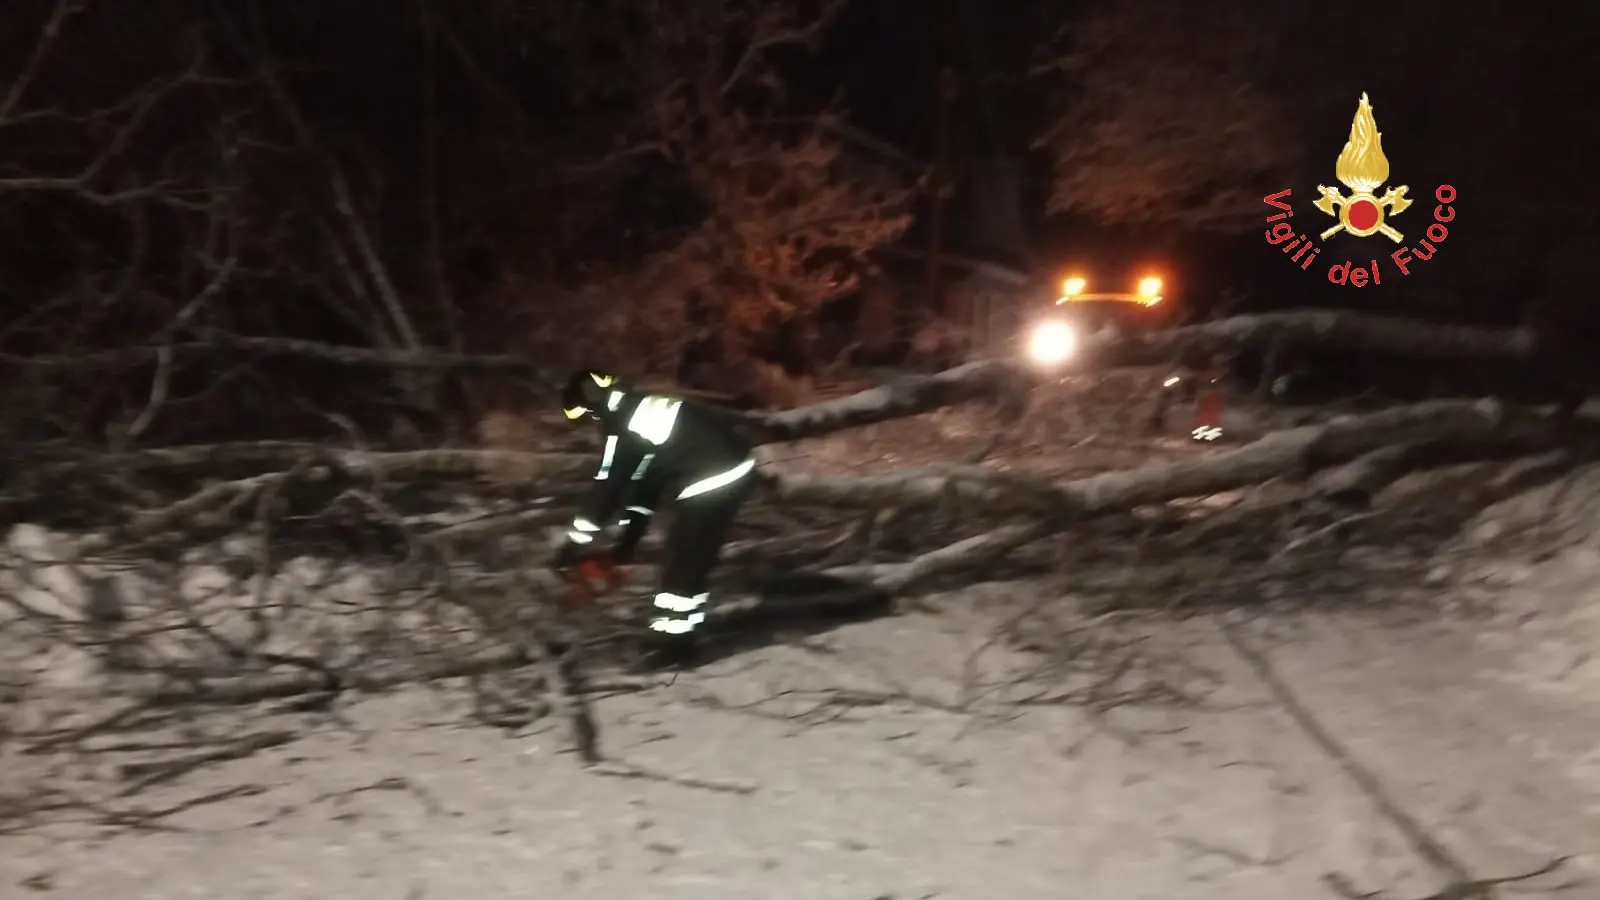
x,y
1363,215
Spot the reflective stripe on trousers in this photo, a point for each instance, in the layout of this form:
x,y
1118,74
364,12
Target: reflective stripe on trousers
x,y
677,626
683,613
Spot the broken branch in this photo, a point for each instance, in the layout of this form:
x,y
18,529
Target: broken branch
x,y
1297,450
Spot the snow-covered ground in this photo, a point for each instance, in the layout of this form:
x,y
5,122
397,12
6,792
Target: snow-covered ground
x,y
862,771
1363,747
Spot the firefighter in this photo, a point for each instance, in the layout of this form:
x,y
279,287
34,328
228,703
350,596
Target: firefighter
x,y
659,448
1197,380
1208,405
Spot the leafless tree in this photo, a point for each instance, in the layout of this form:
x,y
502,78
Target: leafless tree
x,y
1166,116
774,218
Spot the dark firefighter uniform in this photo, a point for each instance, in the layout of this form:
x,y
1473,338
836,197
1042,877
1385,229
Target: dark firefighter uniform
x,y
660,448
1198,380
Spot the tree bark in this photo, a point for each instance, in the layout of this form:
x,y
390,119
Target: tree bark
x,y
1458,431
1294,451
277,456
1007,380
1002,380
1330,329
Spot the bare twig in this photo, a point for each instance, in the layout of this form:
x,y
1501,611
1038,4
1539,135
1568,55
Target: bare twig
x,y
63,10
147,774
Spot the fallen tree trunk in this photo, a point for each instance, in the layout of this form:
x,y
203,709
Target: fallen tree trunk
x,y
894,578
1381,443
1330,329
219,343
1443,427
1295,451
1390,441
239,470
1007,380
270,456
1002,380
1360,481
1375,450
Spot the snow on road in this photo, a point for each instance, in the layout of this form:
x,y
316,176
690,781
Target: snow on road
x,y
875,763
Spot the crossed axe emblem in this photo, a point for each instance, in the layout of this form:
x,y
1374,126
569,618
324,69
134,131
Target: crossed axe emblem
x,y
1362,213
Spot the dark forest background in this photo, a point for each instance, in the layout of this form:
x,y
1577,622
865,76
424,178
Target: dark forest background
x,y
648,184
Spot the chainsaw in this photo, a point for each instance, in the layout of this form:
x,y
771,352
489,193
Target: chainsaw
x,y
591,578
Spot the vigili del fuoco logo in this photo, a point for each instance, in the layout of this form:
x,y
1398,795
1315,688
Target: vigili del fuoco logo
x,y
1362,168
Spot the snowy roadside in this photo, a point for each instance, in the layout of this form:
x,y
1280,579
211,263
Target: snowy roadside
x,y
854,771
922,756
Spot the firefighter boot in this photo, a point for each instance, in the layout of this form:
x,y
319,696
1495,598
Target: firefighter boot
x,y
672,628
661,652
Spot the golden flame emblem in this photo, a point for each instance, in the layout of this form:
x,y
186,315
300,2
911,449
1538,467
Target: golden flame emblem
x,y
1362,168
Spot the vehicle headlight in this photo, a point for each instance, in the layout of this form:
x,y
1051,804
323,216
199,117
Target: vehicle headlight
x,y
1052,343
